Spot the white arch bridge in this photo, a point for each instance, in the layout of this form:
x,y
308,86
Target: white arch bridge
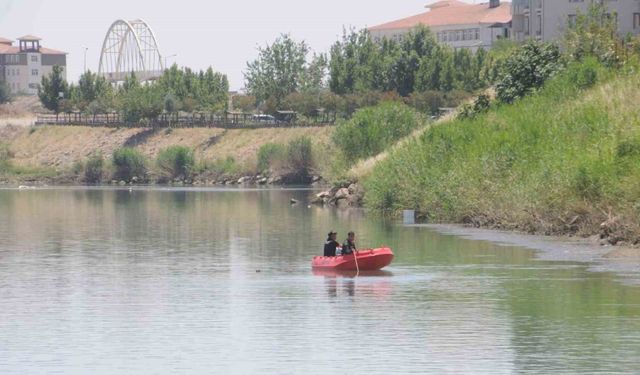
x,y
130,46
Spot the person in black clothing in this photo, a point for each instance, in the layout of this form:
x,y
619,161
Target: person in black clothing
x,y
331,245
349,245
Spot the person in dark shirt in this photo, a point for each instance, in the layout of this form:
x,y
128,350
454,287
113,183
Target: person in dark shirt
x,y
349,245
331,245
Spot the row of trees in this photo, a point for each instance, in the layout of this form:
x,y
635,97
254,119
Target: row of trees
x,y
417,63
359,71
177,89
287,72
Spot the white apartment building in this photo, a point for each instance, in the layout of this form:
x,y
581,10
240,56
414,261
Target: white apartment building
x,y
23,66
548,19
456,23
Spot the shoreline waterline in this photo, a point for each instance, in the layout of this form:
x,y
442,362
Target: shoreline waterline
x,y
622,260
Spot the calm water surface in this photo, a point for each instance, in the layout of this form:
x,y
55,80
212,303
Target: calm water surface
x,y
219,282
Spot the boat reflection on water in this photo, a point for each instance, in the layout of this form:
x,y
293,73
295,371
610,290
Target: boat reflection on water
x,y
373,283
350,274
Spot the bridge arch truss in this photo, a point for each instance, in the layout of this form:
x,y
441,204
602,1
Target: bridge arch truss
x,y
130,46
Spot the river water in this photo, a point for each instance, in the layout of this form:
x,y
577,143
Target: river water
x,y
103,281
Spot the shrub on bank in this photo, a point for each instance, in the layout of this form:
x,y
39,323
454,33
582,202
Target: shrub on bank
x,y
175,162
295,159
94,169
300,159
268,154
526,70
129,163
5,157
373,129
220,168
5,93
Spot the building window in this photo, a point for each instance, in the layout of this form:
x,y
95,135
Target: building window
x,y
34,72
13,59
636,20
539,31
34,58
571,20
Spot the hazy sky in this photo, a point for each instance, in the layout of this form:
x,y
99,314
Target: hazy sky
x,y
222,34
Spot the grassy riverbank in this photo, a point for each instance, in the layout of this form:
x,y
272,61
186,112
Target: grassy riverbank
x,y
564,160
53,154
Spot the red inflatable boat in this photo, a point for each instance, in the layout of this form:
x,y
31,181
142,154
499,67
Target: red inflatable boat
x,y
368,260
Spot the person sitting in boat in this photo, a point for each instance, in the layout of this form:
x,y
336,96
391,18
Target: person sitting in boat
x,y
349,245
331,246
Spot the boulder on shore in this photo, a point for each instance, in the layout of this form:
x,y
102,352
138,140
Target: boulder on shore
x,y
342,197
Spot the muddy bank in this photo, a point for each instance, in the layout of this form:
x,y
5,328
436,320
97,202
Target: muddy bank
x,y
621,260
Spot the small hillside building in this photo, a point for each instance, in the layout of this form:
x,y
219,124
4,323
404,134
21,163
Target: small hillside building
x,y
455,23
22,66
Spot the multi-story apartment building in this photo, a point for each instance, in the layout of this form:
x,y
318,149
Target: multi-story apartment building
x,y
456,23
23,66
548,19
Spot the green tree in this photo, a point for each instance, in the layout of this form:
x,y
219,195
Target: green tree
x,y
350,65
593,33
203,90
447,74
91,88
527,69
418,45
130,83
278,69
53,90
215,91
313,76
416,63
244,103
171,104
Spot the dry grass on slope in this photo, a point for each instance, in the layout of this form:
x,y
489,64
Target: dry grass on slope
x,y
60,146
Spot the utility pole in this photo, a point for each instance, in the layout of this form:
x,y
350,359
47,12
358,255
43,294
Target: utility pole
x,y
85,57
166,58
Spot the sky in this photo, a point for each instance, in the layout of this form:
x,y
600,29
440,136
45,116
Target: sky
x,y
221,34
